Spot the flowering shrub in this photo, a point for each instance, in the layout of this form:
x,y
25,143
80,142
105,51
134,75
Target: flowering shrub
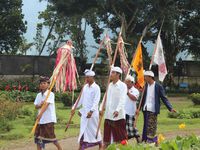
x,y
182,143
191,142
26,84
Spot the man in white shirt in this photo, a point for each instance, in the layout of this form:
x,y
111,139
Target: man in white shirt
x,y
115,124
130,108
89,113
150,106
44,132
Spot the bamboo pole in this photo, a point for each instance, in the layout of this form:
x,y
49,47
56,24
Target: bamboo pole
x,y
141,99
139,107
76,104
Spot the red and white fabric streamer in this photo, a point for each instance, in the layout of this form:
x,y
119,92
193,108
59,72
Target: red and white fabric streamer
x,y
123,59
65,71
107,43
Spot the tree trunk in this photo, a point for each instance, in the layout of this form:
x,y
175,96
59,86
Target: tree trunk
x,y
51,29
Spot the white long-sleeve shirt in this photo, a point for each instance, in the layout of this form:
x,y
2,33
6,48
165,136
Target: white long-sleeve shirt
x,y
90,98
89,101
150,98
116,100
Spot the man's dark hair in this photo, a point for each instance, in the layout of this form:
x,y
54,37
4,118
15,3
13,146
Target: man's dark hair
x,y
44,79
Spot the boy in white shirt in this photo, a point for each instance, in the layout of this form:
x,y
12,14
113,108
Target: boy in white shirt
x,y
44,132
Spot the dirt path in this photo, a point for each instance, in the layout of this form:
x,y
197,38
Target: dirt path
x,y
67,144
71,143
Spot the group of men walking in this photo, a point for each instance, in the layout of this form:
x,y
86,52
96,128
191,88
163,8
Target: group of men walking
x,y
120,110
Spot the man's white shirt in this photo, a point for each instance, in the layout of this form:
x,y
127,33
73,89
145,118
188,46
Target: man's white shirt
x,y
116,100
49,115
89,101
130,105
90,98
150,98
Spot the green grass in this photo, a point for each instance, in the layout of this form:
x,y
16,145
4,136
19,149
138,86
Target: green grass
x,y
21,127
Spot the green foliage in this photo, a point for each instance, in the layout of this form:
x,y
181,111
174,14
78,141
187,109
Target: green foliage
x,y
9,111
17,96
182,143
131,147
38,38
11,136
66,98
26,112
184,114
195,97
12,26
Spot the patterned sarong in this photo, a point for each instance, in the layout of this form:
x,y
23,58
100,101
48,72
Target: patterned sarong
x,y
150,127
44,134
131,131
117,129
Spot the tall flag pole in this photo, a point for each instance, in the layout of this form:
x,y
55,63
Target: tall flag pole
x,y
158,58
102,107
137,66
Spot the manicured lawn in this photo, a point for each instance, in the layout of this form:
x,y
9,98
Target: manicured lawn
x,y
21,127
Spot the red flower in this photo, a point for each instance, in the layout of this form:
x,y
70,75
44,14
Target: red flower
x,y
19,87
14,87
7,88
26,88
124,142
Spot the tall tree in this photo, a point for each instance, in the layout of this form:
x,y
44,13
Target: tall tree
x,y
179,33
12,26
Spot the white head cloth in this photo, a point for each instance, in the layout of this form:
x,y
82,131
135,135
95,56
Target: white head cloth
x,y
149,73
116,69
89,73
130,78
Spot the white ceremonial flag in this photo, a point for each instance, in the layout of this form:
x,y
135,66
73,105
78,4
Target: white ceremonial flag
x,y
159,59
